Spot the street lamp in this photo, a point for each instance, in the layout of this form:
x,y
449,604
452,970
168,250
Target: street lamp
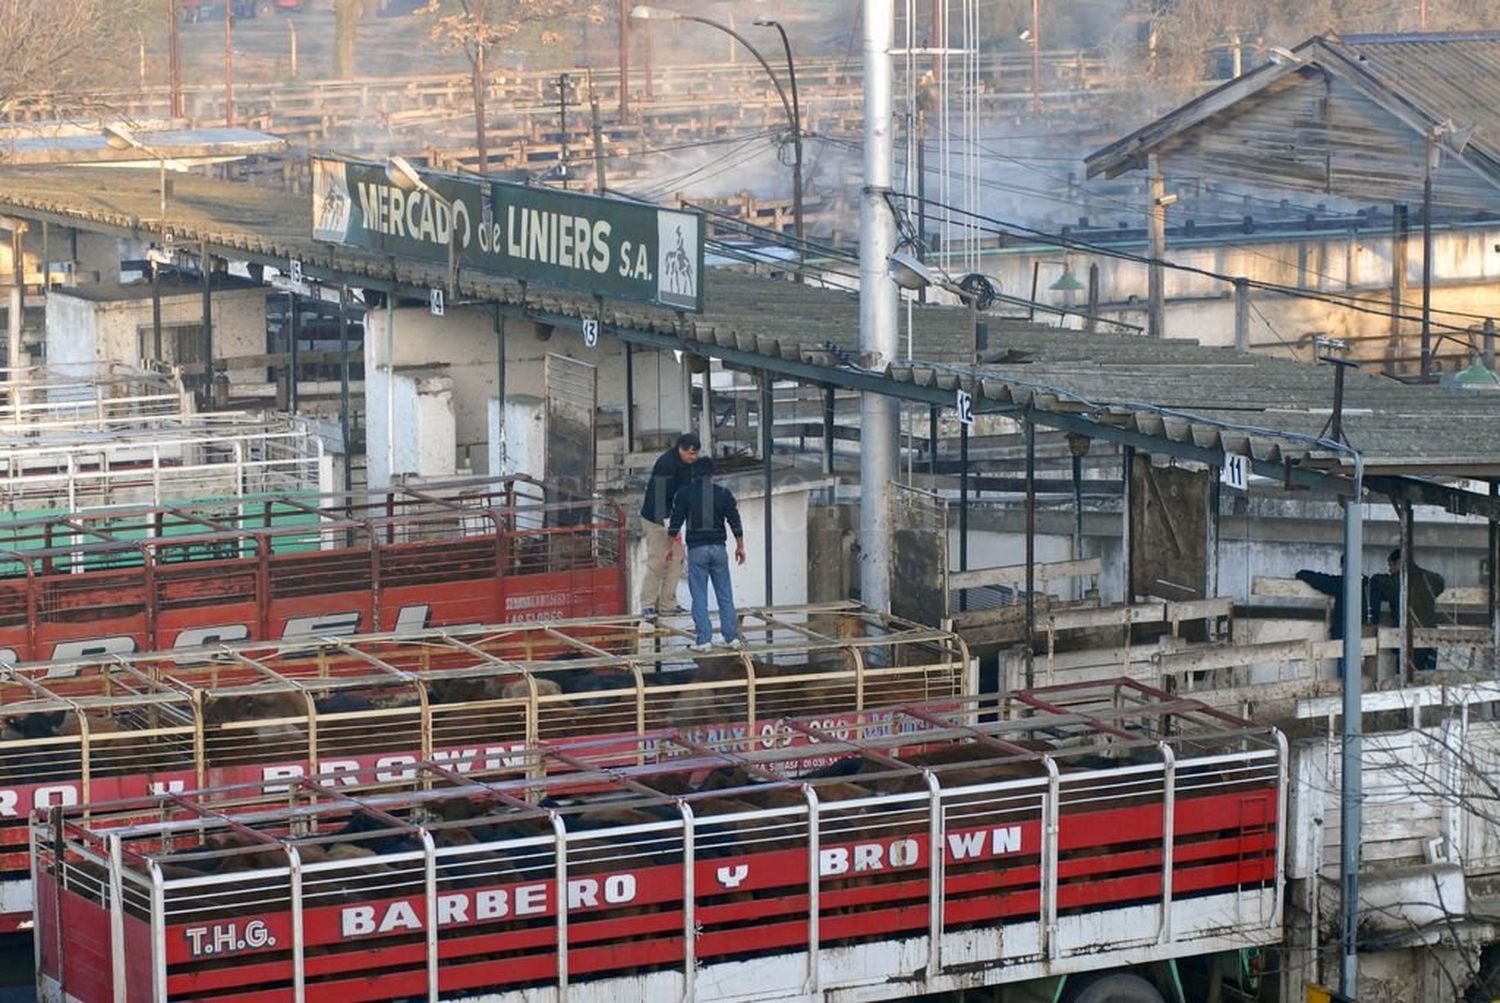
x,y
400,172
643,12
791,71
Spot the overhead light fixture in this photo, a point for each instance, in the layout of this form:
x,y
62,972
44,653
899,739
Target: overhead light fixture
x,y
119,138
1067,283
910,272
642,12
400,172
1167,200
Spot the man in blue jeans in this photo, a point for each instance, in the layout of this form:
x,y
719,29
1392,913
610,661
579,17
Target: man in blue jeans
x,y
705,508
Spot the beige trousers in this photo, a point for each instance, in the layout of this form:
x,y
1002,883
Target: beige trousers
x,y
660,586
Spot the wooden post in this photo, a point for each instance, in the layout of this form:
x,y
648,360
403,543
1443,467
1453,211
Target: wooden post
x,y
1400,229
1242,314
1092,323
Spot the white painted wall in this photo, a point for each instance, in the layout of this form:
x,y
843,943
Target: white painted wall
x,y
98,327
464,344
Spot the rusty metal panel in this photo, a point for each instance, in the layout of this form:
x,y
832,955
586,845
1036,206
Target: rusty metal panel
x,y
571,389
919,554
1169,530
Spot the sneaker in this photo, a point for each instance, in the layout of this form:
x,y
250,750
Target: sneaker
x,y
701,649
735,644
649,614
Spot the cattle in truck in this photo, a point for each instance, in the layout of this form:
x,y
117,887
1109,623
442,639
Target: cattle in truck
x,y
950,851
333,712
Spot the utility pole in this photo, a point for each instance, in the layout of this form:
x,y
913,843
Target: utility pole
x,y
229,62
562,121
1429,153
481,86
624,60
599,182
1036,58
174,60
877,304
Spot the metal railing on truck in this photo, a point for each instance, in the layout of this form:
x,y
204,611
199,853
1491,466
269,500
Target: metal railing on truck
x,y
157,578
925,846
93,730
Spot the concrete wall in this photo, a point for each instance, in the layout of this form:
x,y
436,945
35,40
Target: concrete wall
x,y
463,343
789,519
84,329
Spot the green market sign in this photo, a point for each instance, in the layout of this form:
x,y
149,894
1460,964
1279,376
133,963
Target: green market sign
x,y
602,246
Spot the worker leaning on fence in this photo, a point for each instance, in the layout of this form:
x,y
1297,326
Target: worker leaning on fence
x,y
673,472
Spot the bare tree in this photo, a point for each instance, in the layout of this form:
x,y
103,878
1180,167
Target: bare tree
x,y
474,27
63,47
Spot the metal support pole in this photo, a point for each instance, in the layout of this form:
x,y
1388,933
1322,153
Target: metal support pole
x,y
344,389
1493,574
17,308
1242,315
963,510
934,414
767,447
1092,323
628,415
206,267
1127,564
1155,278
1078,519
500,389
1352,779
1429,152
292,369
1489,340
1407,663
706,410
828,424
877,302
1030,431
156,311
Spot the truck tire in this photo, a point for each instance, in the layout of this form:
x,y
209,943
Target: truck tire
x,y
1117,987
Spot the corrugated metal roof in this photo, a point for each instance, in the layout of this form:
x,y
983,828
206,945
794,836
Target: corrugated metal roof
x,y
1215,398
1358,131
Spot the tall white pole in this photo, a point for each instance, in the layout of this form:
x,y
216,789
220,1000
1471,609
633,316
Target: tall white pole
x,y
877,307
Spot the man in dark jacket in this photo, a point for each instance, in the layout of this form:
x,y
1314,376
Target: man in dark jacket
x,y
1333,585
704,509
672,472
1422,592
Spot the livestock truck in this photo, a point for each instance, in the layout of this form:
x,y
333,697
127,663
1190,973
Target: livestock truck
x,y
325,709
1086,842
279,566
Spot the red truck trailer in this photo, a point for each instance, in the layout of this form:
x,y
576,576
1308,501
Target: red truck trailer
x,y
1092,828
283,566
472,698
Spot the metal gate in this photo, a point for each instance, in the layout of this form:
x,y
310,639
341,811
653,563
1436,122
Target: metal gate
x,y
919,554
571,395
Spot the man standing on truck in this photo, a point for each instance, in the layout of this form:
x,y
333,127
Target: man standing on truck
x,y
705,508
673,472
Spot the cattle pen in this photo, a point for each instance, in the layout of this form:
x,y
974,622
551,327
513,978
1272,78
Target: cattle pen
x,y
918,848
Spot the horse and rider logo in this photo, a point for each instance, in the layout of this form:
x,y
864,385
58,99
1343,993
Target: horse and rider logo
x,y
677,259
